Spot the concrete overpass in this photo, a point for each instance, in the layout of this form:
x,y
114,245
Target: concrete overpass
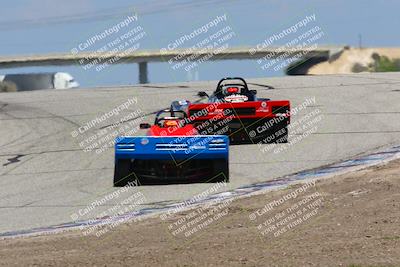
x,y
144,56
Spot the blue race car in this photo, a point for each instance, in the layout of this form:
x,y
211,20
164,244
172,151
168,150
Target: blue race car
x,y
171,152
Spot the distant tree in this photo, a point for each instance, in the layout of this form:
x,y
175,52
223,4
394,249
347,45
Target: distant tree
x,y
384,64
357,67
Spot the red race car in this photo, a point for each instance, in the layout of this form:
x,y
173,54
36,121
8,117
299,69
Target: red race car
x,y
234,110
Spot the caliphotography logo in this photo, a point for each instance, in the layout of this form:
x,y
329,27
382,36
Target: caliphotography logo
x,y
199,133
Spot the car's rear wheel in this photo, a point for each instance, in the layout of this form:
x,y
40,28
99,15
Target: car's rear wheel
x,y
122,173
221,171
283,137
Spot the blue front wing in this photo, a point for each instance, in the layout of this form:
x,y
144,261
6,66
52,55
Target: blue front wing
x,y
172,147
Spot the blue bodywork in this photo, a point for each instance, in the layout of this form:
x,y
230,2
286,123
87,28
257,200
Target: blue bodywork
x,y
172,147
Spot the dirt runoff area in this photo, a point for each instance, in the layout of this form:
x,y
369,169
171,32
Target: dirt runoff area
x,y
349,220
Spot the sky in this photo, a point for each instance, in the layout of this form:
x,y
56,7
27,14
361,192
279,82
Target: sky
x,y
50,26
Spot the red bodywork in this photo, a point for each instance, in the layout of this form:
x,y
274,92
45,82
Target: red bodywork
x,y
243,110
186,130
244,122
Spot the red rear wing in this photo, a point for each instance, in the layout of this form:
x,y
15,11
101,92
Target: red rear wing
x,y
256,109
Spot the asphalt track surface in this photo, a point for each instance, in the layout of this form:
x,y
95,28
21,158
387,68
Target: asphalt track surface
x,y
46,176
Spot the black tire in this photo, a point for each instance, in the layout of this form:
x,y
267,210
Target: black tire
x,y
221,171
284,137
122,173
